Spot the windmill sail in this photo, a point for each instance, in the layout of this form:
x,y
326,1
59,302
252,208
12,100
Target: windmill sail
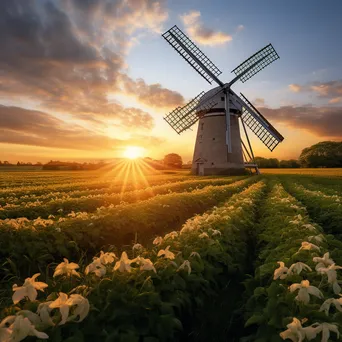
x,y
259,125
182,118
192,54
256,63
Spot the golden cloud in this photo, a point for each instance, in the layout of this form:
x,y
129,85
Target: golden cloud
x,y
200,33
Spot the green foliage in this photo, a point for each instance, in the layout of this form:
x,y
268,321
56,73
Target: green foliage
x,y
111,226
267,162
173,160
284,225
163,306
324,205
323,154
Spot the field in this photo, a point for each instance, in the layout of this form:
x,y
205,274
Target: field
x,y
325,172
146,257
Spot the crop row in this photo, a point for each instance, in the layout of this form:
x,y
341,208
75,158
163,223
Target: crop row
x,y
89,184
295,287
149,294
33,249
11,200
325,209
91,202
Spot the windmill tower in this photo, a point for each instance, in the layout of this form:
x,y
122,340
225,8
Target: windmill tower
x,y
219,148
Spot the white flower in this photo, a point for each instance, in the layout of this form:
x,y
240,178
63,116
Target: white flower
x,y
58,229
137,246
145,264
33,317
185,265
158,240
298,267
107,258
216,232
297,219
5,331
309,227
317,238
323,262
331,301
44,313
204,235
22,327
66,268
330,271
195,254
294,331
82,307
305,289
167,254
281,271
96,267
124,264
323,328
171,235
51,217
29,289
308,246
63,304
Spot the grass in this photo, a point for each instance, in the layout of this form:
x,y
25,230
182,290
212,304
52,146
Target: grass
x,y
323,172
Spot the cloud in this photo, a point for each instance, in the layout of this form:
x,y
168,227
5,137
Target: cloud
x,y
331,89
153,95
336,100
295,88
68,55
259,101
240,28
321,121
200,33
36,128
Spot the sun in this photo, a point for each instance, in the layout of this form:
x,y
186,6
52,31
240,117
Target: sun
x,y
133,152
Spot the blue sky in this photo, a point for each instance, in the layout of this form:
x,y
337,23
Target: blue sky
x,y
97,76
306,35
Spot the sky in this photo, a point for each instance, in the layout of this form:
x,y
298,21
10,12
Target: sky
x,y
84,79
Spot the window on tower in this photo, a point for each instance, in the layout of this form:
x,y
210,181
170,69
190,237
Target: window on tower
x,y
202,124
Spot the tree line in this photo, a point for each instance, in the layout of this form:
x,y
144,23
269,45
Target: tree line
x,y
323,154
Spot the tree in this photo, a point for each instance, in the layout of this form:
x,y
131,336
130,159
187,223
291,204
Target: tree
x,y
267,163
291,163
173,160
323,154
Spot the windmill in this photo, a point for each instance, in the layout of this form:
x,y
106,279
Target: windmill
x,y
219,148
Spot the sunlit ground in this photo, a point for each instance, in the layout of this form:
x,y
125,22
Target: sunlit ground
x,y
132,171
333,172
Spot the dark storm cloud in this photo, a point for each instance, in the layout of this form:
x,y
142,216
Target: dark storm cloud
x,y
30,127
321,121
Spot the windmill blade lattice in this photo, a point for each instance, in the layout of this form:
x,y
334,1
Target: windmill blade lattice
x,y
192,54
260,126
182,118
261,59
